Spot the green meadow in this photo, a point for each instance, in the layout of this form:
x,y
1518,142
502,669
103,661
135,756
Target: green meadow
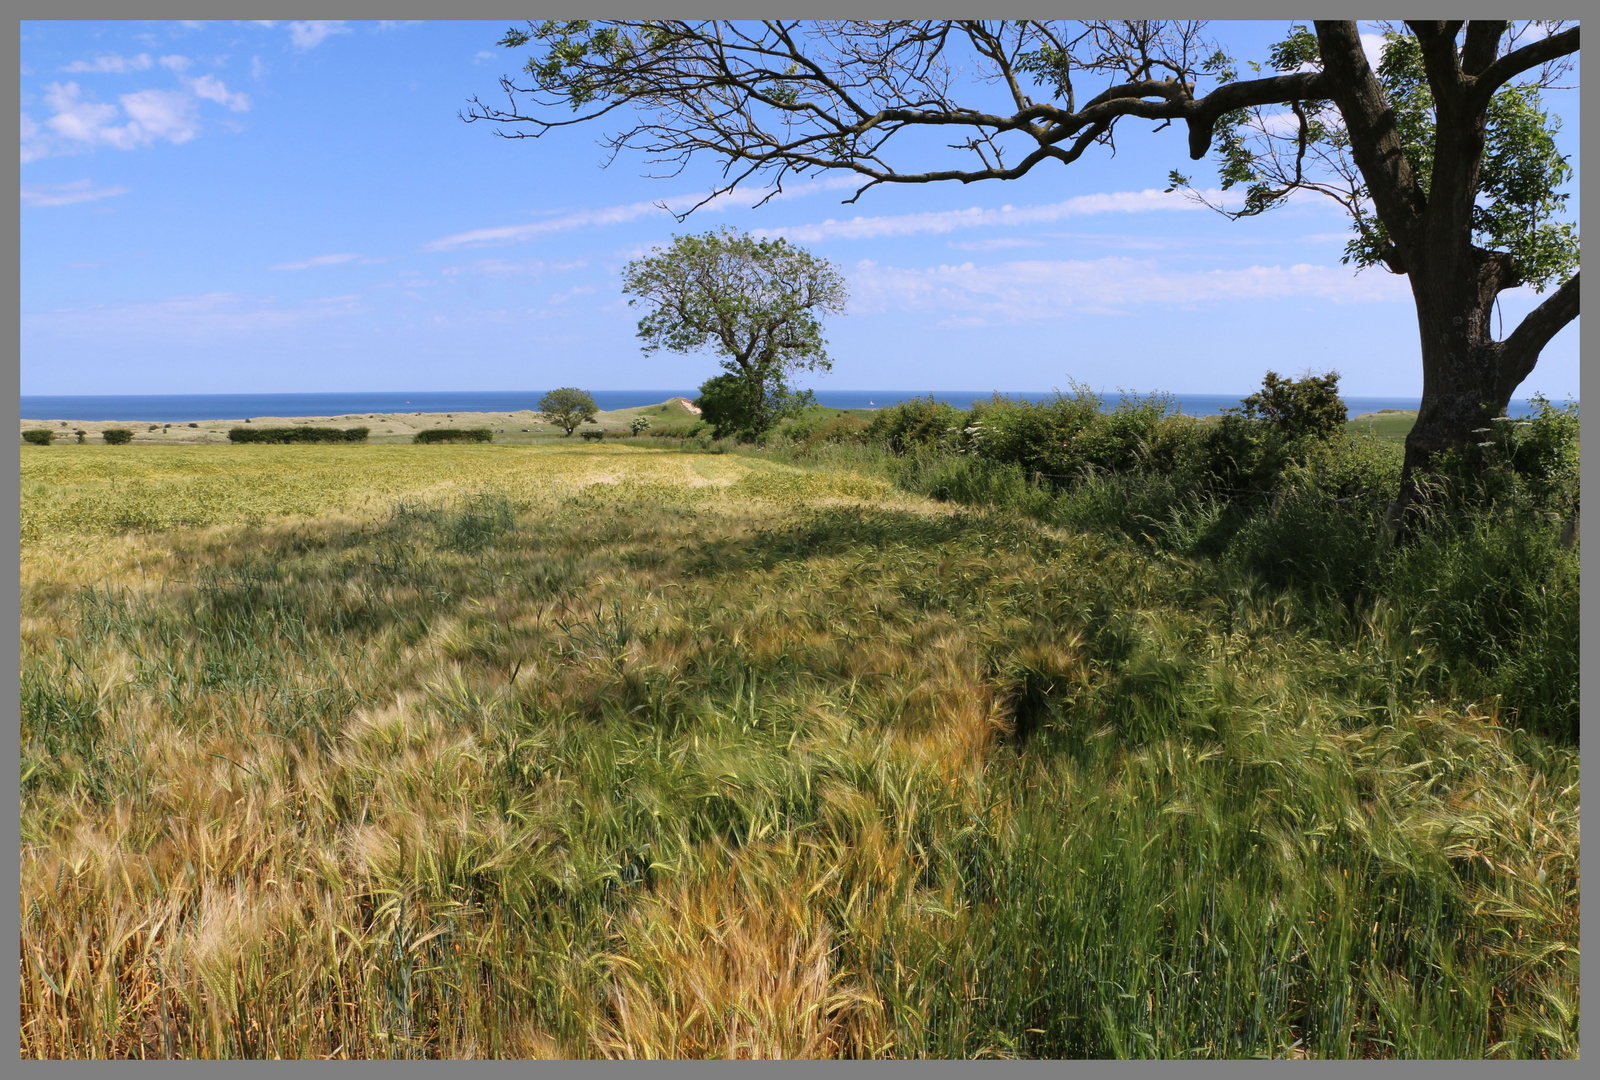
x,y
836,748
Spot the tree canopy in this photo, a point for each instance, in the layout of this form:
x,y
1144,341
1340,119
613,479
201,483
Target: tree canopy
x,y
755,303
1442,156
567,407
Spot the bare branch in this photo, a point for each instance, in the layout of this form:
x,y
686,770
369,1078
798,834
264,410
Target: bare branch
x,y
1515,63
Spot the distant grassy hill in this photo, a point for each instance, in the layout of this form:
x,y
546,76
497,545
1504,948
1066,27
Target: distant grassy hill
x,y
1393,424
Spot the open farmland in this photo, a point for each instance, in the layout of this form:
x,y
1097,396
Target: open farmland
x,y
608,751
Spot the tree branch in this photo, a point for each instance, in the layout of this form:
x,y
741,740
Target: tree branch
x,y
1369,119
1483,41
1515,63
1520,351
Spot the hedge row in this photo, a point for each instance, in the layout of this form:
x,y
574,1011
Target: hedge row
x,y
436,435
299,434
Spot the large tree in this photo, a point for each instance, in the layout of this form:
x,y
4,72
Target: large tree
x,y
1442,157
757,304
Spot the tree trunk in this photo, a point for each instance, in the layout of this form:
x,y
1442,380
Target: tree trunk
x,y
1467,376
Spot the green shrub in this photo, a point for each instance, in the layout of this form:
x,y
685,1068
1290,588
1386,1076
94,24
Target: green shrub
x,y
300,433
1307,406
592,435
38,436
444,435
83,436
638,424
117,436
916,423
741,408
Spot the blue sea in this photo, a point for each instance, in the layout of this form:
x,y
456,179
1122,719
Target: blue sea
x,y
179,408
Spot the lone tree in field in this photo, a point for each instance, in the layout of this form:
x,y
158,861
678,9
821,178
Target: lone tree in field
x,y
1443,156
756,303
568,407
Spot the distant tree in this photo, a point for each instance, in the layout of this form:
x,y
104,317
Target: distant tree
x,y
756,303
638,424
116,436
568,407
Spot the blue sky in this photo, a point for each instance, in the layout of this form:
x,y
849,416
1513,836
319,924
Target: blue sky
x,y
295,206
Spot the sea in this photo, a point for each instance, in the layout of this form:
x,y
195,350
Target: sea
x,y
180,408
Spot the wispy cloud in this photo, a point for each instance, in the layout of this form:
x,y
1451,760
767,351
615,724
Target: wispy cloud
x,y
1030,290
567,294
502,268
617,215
396,24
319,260
33,145
212,89
152,114
78,191
998,243
176,63
212,315
111,65
308,34
943,221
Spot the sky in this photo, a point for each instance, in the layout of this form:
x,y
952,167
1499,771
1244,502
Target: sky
x,y
278,207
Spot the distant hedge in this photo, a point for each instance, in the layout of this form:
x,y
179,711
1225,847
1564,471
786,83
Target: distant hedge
x,y
38,436
433,435
116,436
298,434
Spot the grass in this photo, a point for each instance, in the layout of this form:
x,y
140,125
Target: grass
x,y
1392,425
602,751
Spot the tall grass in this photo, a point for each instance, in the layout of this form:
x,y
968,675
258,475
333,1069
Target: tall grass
x,y
598,753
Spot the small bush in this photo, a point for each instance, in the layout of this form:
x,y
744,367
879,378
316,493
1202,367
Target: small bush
x,y
594,435
915,423
297,434
117,436
38,436
83,436
1307,406
194,425
638,424
444,435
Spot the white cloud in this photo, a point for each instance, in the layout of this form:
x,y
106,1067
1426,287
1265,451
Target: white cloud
x,y
160,114
176,63
502,268
1373,45
996,244
308,34
212,89
152,114
576,290
942,221
319,260
257,68
78,191
617,215
32,145
1024,291
112,65
395,24
213,315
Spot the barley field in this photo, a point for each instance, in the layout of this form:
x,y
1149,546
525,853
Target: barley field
x,y
612,752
